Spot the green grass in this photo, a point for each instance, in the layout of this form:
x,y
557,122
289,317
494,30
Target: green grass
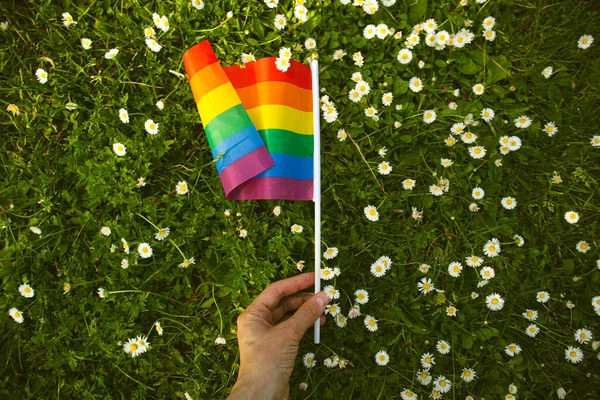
x,y
69,345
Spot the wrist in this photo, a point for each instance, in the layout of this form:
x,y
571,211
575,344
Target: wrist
x,y
263,384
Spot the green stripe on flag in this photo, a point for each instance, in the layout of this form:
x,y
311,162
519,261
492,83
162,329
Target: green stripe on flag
x,y
280,141
226,124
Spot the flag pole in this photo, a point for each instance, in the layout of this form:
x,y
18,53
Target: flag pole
x,y
314,66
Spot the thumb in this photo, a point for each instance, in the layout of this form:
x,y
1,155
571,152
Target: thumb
x,y
306,315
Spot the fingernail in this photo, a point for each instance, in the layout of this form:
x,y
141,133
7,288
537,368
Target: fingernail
x,y
321,299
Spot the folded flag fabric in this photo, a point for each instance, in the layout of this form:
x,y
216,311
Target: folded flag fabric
x,y
259,124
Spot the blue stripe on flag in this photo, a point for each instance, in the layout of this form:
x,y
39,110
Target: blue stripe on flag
x,y
237,146
287,166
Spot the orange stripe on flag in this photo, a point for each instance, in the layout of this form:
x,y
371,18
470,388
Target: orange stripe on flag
x,y
207,79
281,93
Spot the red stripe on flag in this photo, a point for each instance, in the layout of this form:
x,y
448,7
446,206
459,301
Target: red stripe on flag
x,y
198,57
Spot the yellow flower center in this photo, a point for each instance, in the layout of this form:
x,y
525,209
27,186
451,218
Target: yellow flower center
x,y
529,314
17,315
378,268
144,250
183,186
512,348
477,193
549,129
133,347
584,41
417,83
120,148
583,246
371,322
573,354
404,56
382,357
152,126
467,373
494,301
442,383
372,212
455,268
361,296
583,335
522,120
309,360
326,272
27,290
428,360
426,286
477,151
486,114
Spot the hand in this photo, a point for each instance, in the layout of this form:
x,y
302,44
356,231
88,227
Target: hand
x,y
269,340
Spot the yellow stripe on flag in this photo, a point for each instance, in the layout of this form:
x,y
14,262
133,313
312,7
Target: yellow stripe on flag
x,y
273,116
217,101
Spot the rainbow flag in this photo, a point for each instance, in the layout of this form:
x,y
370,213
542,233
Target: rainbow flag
x,y
259,124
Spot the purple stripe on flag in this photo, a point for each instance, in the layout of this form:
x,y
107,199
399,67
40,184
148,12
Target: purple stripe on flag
x,y
273,189
245,168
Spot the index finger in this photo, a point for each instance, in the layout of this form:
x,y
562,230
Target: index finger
x,y
276,291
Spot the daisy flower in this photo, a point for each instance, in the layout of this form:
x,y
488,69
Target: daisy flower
x,y
182,187
595,141
477,151
124,263
331,292
68,19
16,315
310,44
474,261
333,309
488,23
327,273
532,330
405,56
443,347
243,233
487,273
547,72
583,246
387,99
105,230
473,207
70,106
424,268
354,312
124,116
478,193
446,162
119,149
384,168
309,360
362,296
330,253
159,328
468,374
530,314
585,41
415,84
132,347
145,250
542,297
111,54
282,64
35,230
339,54
478,89
583,336
442,384
371,323
164,24
523,122
454,269
13,108
406,394
509,202
492,248
301,12
429,116
550,128
297,228
572,217
101,293
280,21
573,354
519,240
487,114
450,141
494,302
512,349
151,127
187,262
26,290
457,128
427,360
342,135
378,269
425,286
86,43
468,137
408,184
489,35
423,376
451,311
371,213
382,31
153,45
382,358
42,76
198,4
162,234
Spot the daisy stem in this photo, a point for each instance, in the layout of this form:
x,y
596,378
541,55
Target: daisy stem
x,y
363,157
219,311
145,219
215,28
177,247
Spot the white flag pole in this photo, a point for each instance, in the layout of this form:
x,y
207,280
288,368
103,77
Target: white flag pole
x,y
314,66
